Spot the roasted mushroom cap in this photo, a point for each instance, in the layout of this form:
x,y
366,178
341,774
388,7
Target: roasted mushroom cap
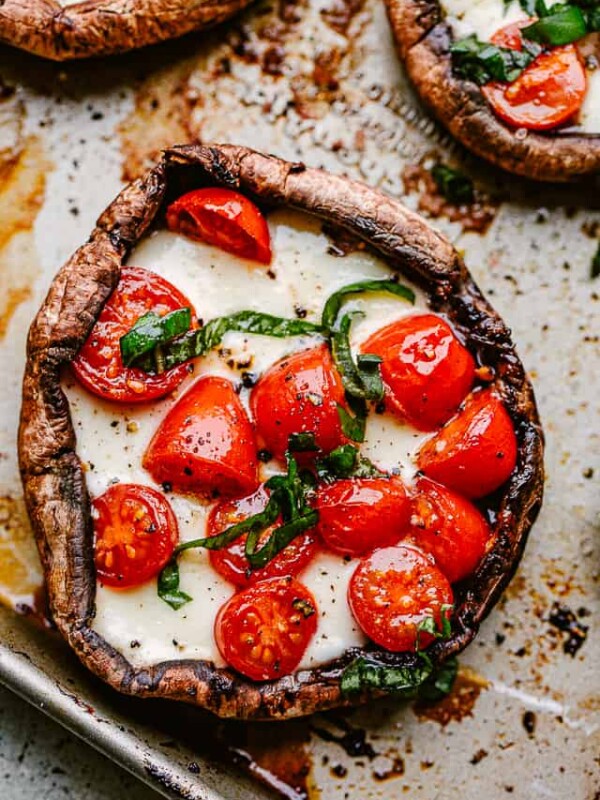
x,y
104,27
423,40
54,483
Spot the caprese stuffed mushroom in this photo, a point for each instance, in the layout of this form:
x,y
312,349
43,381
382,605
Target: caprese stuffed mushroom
x,y
516,81
264,478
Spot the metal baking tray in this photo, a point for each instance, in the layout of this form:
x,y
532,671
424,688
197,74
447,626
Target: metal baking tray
x,y
318,80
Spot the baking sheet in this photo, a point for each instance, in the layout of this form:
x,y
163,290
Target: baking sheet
x,y
319,81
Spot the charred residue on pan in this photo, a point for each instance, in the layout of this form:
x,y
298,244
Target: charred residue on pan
x,y
23,169
457,705
563,619
475,216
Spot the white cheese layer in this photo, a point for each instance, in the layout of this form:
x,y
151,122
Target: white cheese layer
x,y
112,438
484,17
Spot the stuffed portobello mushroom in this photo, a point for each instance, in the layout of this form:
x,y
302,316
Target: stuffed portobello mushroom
x,y
67,29
516,81
279,452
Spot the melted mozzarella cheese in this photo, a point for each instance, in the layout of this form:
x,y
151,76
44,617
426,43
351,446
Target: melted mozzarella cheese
x,y
484,17
111,438
481,17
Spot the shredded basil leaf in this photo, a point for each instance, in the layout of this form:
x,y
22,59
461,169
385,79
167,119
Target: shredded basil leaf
x,y
419,680
454,185
559,27
353,426
429,625
439,683
337,299
198,342
482,62
279,539
595,268
168,586
302,443
361,378
151,332
346,462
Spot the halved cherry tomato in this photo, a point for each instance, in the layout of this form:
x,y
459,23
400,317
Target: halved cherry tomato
x,y
476,452
222,218
392,591
547,93
264,630
205,443
358,515
299,394
426,370
449,528
231,562
136,533
98,364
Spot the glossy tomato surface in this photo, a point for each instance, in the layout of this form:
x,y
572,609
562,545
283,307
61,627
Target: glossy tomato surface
x,y
448,527
392,591
264,630
358,515
98,365
223,218
231,562
548,93
476,451
206,443
135,534
299,394
426,370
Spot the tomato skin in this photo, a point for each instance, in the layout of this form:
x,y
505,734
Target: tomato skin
x,y
394,589
231,562
359,515
426,370
223,218
476,451
299,394
449,528
546,94
135,534
206,443
98,364
264,630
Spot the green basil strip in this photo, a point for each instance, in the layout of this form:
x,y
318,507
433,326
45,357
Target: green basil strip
x,y
279,539
346,462
367,673
595,265
560,27
455,186
429,625
336,300
168,586
353,426
198,342
482,62
302,442
152,331
256,523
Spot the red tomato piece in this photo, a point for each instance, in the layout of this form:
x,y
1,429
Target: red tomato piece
x,y
392,591
449,528
476,452
98,364
205,443
222,218
358,515
426,370
546,94
231,562
299,394
136,533
264,630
